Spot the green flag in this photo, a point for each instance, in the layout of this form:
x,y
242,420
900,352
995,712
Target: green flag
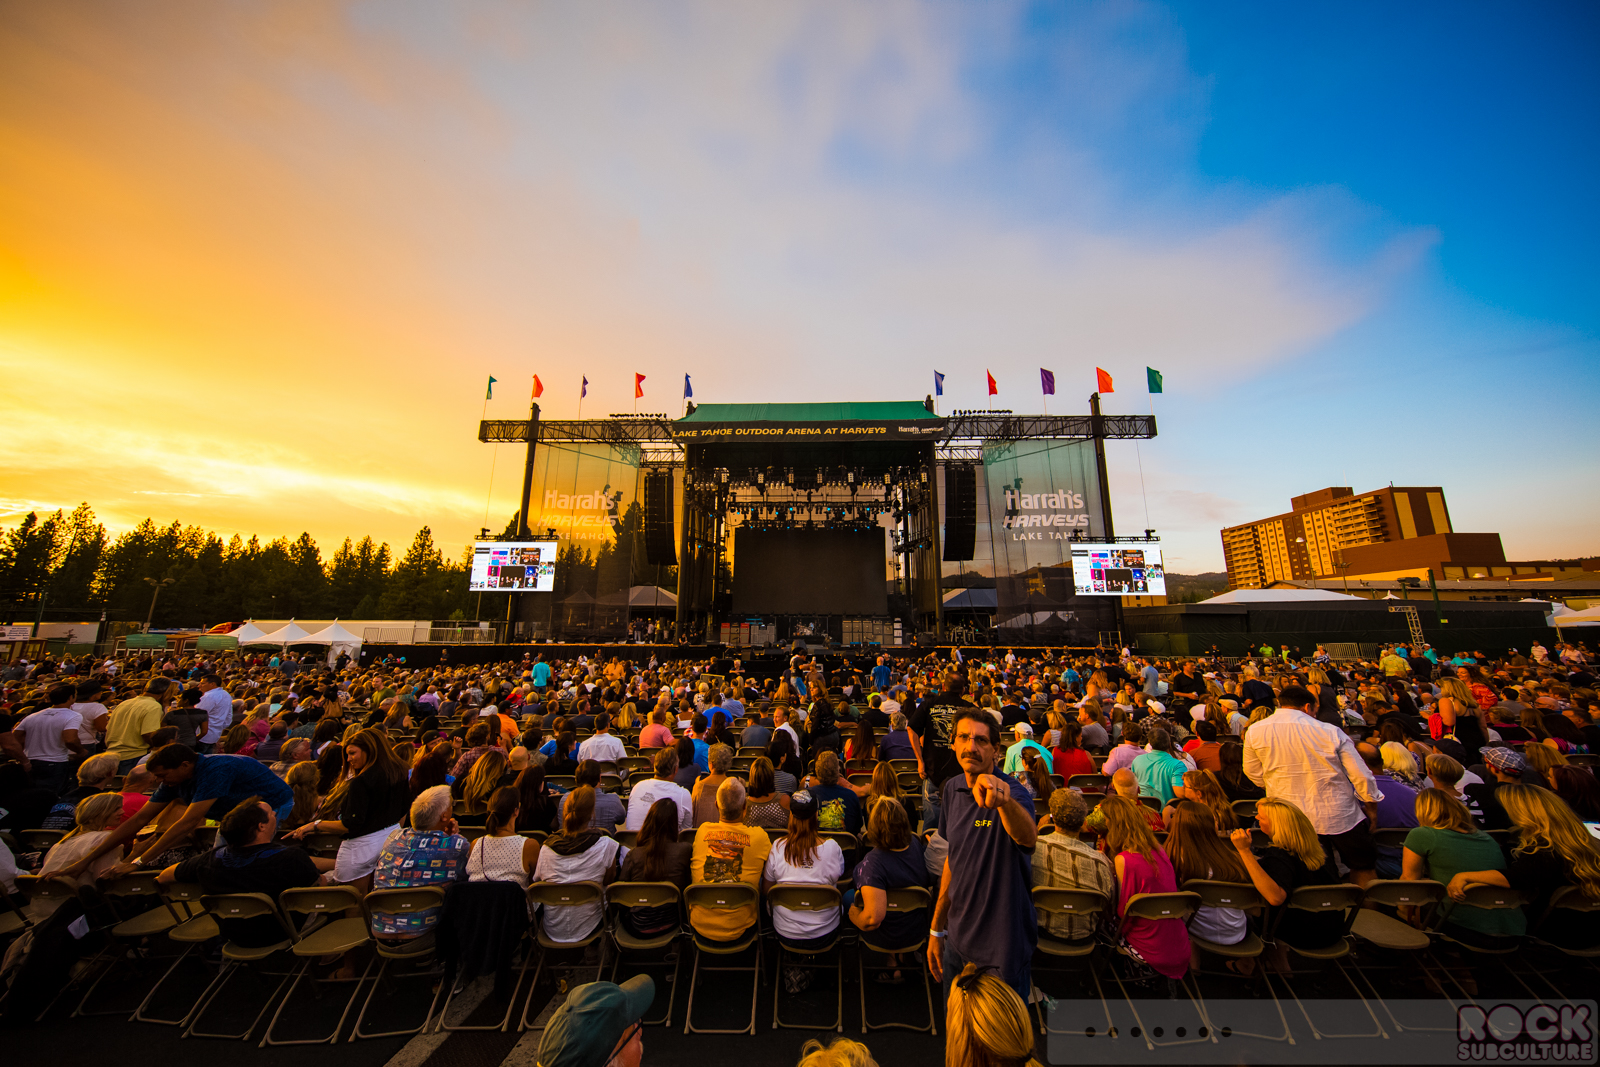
x,y
493,379
1153,376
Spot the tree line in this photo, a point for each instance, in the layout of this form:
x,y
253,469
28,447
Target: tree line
x,y
70,563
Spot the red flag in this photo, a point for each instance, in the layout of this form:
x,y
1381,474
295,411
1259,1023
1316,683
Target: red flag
x,y
538,387
638,386
1104,381
994,390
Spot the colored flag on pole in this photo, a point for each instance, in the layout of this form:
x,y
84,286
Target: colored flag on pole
x,y
1103,381
538,387
688,390
1153,376
938,384
585,390
638,386
1047,381
490,394
994,389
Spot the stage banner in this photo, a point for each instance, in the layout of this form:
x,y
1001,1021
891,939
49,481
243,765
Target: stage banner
x,y
844,430
591,496
1042,495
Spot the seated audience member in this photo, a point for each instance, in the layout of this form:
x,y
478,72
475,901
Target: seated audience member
x,y
302,781
428,852
862,747
1202,788
295,750
687,773
1158,770
1070,757
896,743
727,851
1507,767
704,793
1444,773
764,805
579,853
536,804
365,807
94,776
249,862
645,794
1142,866
657,856
608,811
1235,783
986,1024
1197,852
501,854
802,856
1445,843
1294,859
1062,860
656,734
785,762
1204,748
1578,787
563,758
1397,809
481,781
1124,784
838,807
604,746
272,747
93,820
895,862
1553,849
137,785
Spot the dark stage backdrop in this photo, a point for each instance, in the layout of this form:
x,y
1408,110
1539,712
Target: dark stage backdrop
x,y
809,572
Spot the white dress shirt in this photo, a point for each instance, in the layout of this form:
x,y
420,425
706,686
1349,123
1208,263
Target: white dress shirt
x,y
218,706
647,792
602,747
1313,766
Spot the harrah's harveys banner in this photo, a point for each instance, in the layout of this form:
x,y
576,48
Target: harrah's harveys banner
x,y
582,491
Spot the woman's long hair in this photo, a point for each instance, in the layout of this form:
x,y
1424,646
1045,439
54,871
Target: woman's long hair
x,y
579,811
535,801
1038,772
781,751
432,767
659,832
1544,821
1292,832
802,840
302,782
864,746
1195,848
1578,787
1127,829
502,809
483,779
986,1023
94,813
1209,794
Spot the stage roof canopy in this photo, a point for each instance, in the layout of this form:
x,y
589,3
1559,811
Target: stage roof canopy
x,y
858,411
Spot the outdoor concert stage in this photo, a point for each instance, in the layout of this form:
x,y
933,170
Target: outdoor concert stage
x,y
851,523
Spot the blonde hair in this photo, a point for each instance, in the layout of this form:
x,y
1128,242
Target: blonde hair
x,y
1440,810
1398,760
1292,832
1457,690
1209,793
483,780
1543,820
302,783
94,813
986,1023
1442,769
842,1053
1127,830
1542,757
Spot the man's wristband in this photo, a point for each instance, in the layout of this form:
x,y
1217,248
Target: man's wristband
x,y
938,933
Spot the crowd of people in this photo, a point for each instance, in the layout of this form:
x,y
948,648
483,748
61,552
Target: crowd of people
x,y
978,780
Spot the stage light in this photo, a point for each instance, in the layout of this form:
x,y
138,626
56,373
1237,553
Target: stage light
x,y
761,478
850,477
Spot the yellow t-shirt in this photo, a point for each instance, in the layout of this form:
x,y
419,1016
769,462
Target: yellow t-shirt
x,y
130,721
727,852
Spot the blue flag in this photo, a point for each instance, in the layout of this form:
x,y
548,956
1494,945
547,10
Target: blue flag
x,y
938,384
688,390
1047,381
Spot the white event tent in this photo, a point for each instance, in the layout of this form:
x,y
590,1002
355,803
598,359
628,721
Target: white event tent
x,y
290,634
338,640
248,634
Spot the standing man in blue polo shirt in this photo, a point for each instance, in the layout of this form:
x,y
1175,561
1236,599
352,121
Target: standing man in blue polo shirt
x,y
205,787
984,914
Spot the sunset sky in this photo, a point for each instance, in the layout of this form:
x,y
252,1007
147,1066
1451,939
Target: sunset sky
x,y
257,260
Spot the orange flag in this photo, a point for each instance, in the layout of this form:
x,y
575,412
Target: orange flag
x,y
994,390
638,386
538,387
1104,381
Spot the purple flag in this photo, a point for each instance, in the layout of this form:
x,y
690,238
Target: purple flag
x,y
1047,380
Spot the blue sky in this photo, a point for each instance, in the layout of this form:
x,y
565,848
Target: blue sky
x,y
1357,239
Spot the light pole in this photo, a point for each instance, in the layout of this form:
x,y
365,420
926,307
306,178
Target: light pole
x,y
158,586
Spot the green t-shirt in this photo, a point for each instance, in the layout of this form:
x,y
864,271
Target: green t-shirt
x,y
1448,853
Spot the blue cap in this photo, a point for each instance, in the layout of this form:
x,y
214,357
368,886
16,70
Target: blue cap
x,y
585,1030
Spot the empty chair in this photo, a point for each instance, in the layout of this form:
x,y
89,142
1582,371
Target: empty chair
x,y
327,932
229,908
199,929
821,902
586,900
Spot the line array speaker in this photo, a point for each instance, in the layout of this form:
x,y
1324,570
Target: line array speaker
x,y
960,512
660,538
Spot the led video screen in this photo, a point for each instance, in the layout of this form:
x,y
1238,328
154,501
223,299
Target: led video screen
x,y
502,566
1118,570
809,572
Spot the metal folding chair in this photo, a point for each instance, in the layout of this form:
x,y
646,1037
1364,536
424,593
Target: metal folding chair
x,y
900,902
724,896
335,936
400,902
550,895
626,896
129,935
1158,906
1242,897
1343,897
818,899
228,907
191,934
